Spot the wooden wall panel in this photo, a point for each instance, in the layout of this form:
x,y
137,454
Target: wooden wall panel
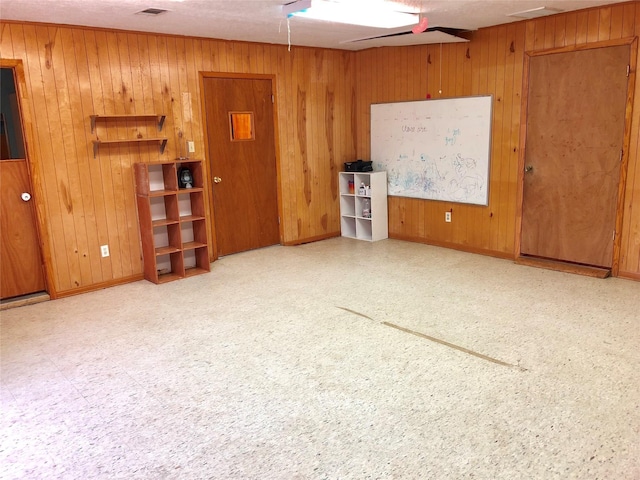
x,y
74,72
323,100
630,247
492,63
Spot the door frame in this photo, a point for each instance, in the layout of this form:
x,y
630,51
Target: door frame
x,y
633,43
276,138
37,189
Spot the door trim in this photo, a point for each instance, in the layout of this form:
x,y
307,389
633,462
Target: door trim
x,y
26,116
633,43
276,138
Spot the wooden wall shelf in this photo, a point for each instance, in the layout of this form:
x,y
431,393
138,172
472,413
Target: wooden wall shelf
x,y
158,118
97,143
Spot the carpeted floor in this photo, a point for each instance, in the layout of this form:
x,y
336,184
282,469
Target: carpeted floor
x,y
337,359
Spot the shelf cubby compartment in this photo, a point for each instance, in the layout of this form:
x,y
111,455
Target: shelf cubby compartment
x,y
348,227
194,230
167,238
196,173
360,178
156,179
360,201
194,234
169,267
194,238
364,229
347,205
196,261
164,209
191,204
345,178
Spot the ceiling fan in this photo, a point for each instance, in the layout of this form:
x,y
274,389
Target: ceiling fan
x,y
455,32
422,27
396,17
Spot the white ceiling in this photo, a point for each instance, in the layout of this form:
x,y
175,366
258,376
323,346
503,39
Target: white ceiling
x,y
263,20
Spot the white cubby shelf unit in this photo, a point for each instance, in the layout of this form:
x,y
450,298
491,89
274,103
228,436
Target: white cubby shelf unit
x,y
353,223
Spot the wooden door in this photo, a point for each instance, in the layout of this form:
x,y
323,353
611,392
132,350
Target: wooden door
x,y
20,260
240,135
575,132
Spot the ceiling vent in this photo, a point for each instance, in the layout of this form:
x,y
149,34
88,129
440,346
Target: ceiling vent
x,y
535,12
152,11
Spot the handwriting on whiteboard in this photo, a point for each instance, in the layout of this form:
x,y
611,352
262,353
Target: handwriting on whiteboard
x,y
434,149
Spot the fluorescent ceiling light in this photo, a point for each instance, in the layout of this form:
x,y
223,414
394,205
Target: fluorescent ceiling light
x,y
368,13
535,12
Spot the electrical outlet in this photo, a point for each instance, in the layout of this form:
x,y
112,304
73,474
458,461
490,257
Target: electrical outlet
x,y
191,146
447,217
104,250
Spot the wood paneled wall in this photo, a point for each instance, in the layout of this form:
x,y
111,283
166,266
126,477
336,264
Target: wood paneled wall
x,y
71,73
323,99
491,63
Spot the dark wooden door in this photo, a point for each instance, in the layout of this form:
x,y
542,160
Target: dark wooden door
x,y
243,163
240,134
20,260
575,130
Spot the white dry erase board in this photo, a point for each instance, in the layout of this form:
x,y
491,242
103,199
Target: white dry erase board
x,y
434,149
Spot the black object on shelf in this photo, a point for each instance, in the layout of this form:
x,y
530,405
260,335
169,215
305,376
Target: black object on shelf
x,y
185,178
358,166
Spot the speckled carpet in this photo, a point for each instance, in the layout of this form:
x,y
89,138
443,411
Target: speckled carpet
x,y
337,359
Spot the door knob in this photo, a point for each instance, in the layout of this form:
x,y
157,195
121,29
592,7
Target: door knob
x,y
528,168
217,180
26,196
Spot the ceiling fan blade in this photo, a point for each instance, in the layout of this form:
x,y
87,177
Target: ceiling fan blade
x,y
421,26
450,31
